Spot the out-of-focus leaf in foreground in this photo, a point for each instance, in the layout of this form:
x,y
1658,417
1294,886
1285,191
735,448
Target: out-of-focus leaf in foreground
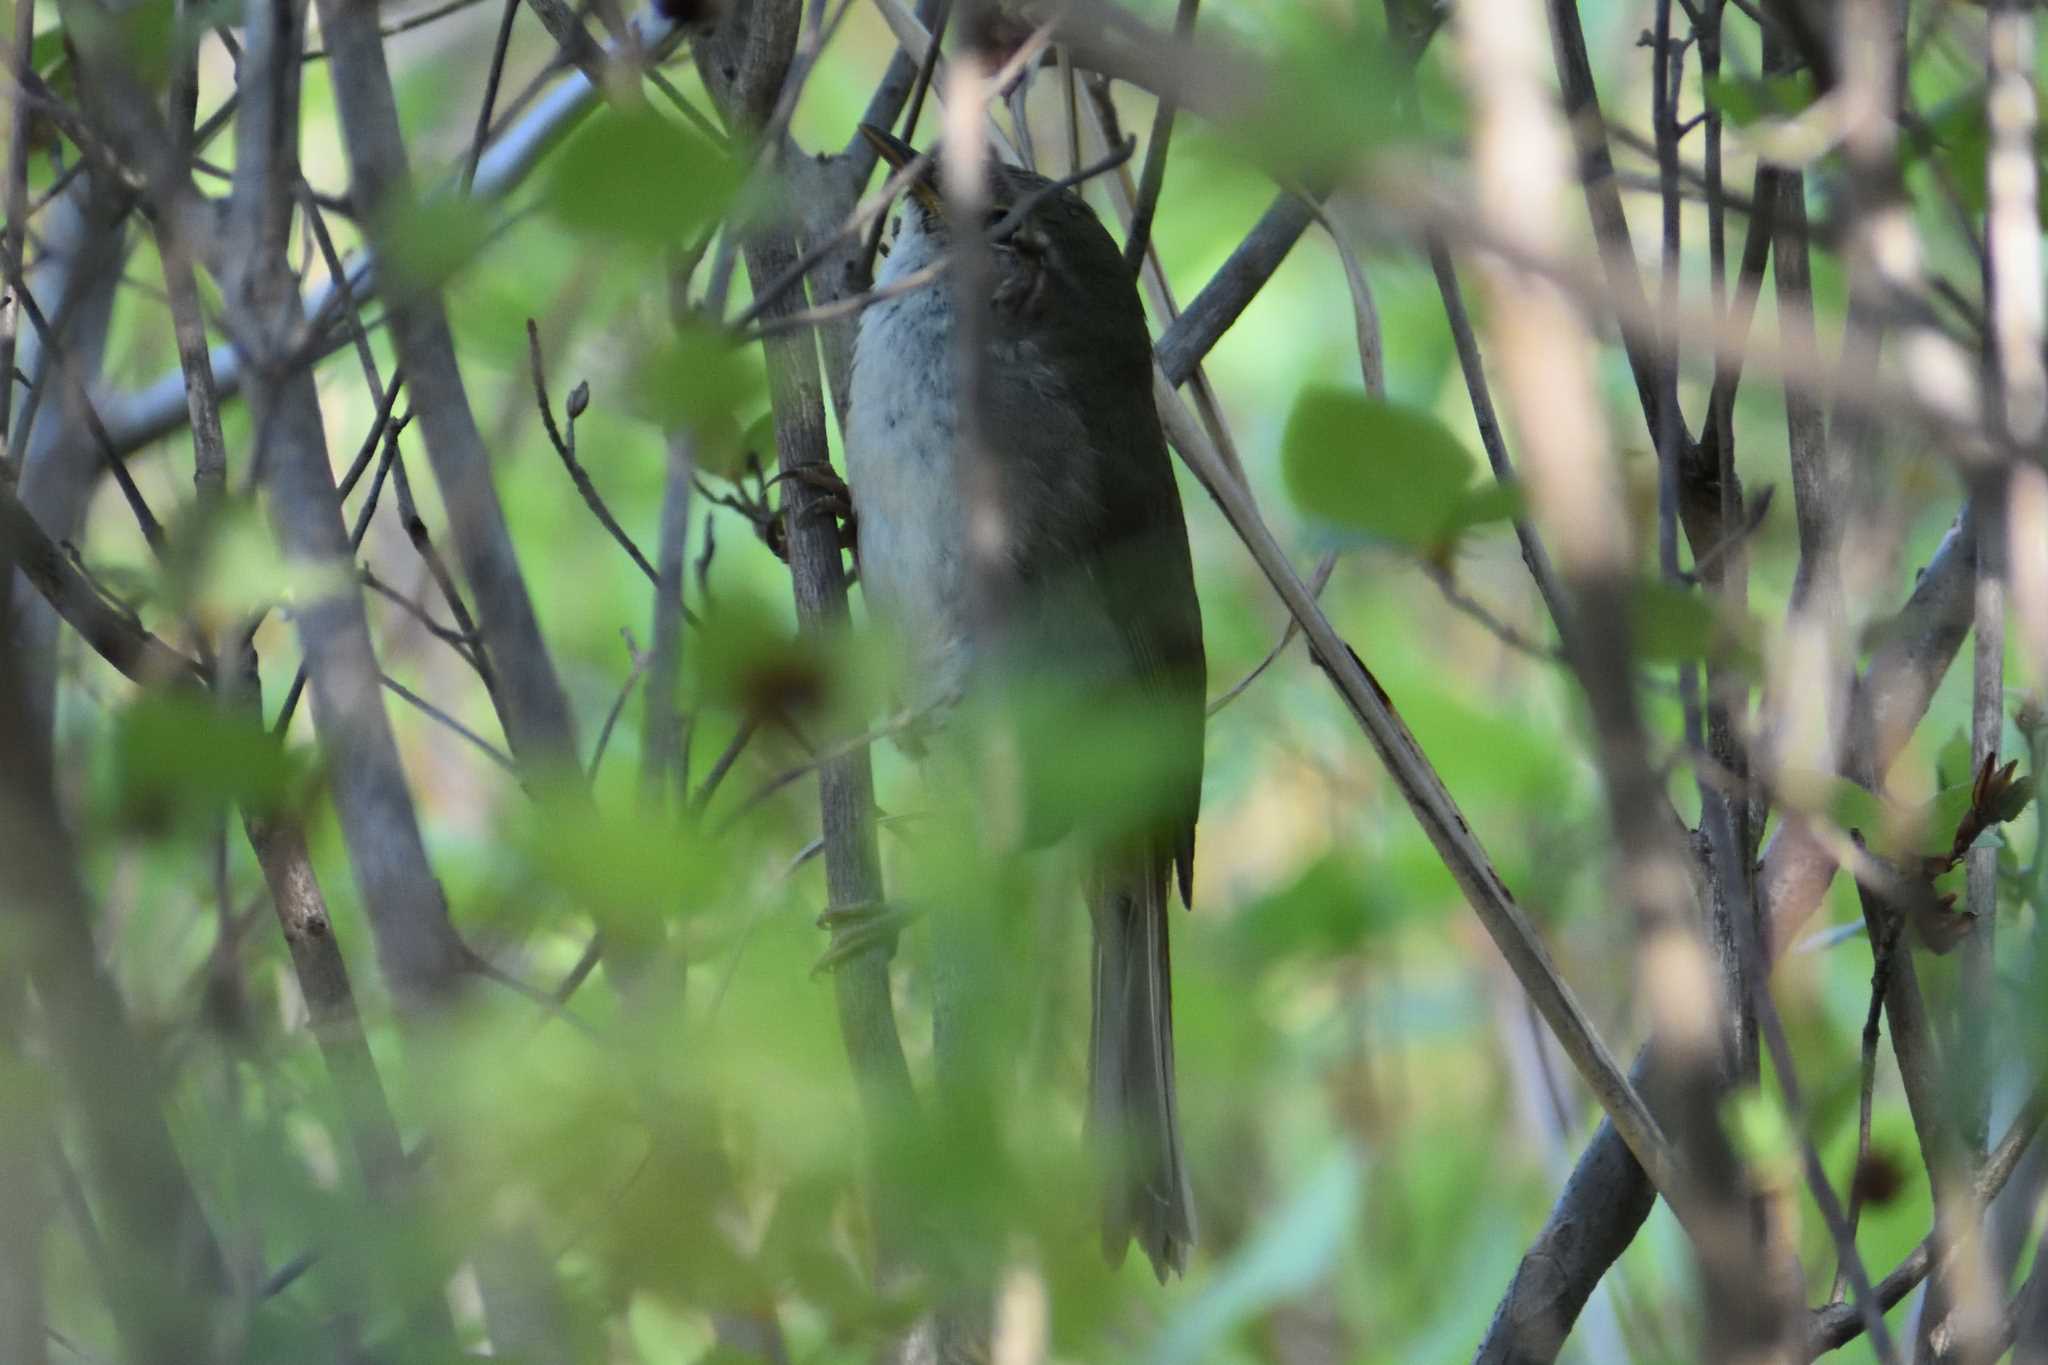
x,y
632,176
1392,472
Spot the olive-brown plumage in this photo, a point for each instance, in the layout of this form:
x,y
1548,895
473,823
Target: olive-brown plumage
x,y
1098,600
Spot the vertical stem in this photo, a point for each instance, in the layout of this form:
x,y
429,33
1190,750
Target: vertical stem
x,y
1523,157
15,206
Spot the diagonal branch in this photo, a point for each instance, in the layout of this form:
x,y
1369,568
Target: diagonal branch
x,y
537,717
1431,803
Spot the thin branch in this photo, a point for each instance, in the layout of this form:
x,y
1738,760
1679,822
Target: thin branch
x,y
1139,237
611,717
490,100
1838,1324
407,24
723,765
565,448
1880,976
112,633
660,728
538,722
1316,583
1432,805
442,718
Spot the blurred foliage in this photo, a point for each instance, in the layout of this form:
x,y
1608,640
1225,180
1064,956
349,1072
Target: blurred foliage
x,y
1376,1124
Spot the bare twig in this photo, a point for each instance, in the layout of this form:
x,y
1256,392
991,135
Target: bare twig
x,y
442,718
639,662
1139,237
661,749
1316,583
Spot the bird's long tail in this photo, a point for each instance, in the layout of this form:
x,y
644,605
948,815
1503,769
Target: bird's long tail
x,y
1133,1121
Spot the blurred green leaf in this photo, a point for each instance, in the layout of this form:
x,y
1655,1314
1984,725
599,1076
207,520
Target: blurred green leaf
x,y
1484,504
1329,910
1745,100
1332,96
429,240
1763,1133
633,176
696,378
1856,808
178,755
1672,623
1391,471
48,51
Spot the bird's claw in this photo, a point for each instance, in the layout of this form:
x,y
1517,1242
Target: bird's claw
x,y
835,498
770,522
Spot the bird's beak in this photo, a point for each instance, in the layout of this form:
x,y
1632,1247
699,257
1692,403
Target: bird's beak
x,y
899,154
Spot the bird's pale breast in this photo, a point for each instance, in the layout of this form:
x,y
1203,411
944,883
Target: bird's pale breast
x,y
900,463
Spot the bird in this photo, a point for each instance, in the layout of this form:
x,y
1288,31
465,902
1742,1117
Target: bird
x,y
1093,591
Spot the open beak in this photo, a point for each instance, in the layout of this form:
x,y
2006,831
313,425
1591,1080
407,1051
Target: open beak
x,y
899,154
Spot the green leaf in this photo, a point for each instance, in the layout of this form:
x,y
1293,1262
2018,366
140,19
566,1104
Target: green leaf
x,y
1953,763
1856,808
1671,624
633,176
1328,911
1393,472
427,241
1487,503
697,378
1745,100
175,753
48,52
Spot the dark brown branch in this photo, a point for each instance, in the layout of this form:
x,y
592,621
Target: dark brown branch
x,y
1603,198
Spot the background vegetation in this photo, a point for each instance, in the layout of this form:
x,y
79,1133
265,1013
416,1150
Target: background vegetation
x,y
583,1094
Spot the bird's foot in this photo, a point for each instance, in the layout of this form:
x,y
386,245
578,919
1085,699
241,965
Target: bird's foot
x,y
859,928
770,522
753,506
835,500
